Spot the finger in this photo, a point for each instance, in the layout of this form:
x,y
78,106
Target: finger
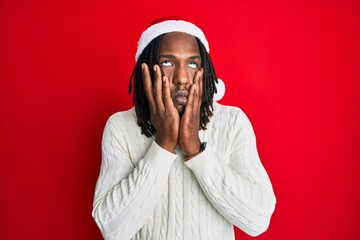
x,y
198,92
157,90
191,114
167,94
190,101
201,86
148,89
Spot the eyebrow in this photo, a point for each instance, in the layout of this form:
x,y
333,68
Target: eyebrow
x,y
173,56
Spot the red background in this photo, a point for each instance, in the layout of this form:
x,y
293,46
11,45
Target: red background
x,y
294,68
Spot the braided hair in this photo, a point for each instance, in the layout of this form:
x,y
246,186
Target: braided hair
x,y
150,56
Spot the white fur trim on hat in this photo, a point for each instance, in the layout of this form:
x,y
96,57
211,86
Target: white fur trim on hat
x,y
220,87
169,26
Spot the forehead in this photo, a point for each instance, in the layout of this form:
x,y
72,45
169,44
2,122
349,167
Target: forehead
x,y
177,41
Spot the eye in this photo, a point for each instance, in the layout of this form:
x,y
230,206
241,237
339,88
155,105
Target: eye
x,y
166,63
193,65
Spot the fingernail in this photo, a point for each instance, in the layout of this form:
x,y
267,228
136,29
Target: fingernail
x,y
154,68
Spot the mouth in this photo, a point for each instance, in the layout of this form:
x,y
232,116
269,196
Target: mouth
x,y
180,97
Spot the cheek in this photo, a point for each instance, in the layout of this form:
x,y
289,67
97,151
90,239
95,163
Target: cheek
x,y
168,72
192,74
172,88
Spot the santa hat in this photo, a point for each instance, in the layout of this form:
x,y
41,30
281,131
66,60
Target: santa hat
x,y
175,24
166,25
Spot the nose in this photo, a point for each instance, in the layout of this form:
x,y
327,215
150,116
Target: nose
x,y
181,75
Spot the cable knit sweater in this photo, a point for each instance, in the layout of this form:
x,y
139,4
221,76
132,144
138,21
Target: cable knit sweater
x,y
146,192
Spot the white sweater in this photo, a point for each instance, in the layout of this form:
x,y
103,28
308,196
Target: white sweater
x,y
146,192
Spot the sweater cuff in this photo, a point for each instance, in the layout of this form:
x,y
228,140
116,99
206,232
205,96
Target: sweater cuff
x,y
202,163
159,157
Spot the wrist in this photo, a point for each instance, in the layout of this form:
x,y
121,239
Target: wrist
x,y
201,149
166,145
191,148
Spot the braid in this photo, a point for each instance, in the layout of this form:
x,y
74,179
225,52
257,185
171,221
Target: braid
x,y
209,87
150,56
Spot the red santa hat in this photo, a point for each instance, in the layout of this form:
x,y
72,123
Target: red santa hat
x,y
176,24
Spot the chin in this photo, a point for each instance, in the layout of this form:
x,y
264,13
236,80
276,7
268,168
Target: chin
x,y
180,109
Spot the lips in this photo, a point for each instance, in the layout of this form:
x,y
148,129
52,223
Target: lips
x,y
180,97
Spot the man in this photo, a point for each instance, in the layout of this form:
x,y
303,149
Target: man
x,y
178,165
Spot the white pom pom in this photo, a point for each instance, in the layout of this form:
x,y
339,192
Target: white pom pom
x,y
220,90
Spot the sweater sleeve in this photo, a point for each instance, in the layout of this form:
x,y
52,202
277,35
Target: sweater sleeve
x,y
239,189
126,195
